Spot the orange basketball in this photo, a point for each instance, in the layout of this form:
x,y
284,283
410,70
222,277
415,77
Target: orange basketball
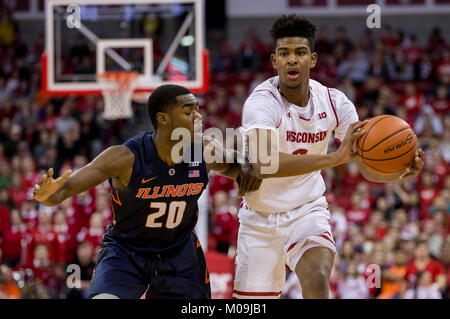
x,y
388,146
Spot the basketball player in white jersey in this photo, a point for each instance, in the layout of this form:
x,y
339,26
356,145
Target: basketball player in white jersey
x,y
286,221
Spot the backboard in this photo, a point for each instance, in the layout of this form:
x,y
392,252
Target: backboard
x,y
162,40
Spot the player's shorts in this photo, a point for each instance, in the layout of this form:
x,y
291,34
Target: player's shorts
x,y
269,242
128,274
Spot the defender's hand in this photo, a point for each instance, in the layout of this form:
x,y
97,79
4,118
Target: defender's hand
x,y
415,167
47,186
346,150
247,180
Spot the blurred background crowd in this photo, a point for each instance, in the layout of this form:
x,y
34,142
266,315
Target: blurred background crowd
x,y
400,231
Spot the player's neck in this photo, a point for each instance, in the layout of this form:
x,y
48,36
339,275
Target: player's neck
x,y
163,146
298,96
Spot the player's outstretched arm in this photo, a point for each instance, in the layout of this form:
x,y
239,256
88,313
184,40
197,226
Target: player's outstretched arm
x,y
242,172
411,171
264,160
116,161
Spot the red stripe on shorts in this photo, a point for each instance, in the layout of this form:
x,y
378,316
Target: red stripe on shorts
x,y
327,238
256,293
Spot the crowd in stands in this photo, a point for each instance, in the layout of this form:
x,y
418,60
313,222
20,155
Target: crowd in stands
x,y
393,240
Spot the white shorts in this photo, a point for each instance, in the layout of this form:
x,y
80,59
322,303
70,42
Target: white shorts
x,y
269,242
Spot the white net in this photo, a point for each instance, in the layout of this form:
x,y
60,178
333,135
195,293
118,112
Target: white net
x,y
117,94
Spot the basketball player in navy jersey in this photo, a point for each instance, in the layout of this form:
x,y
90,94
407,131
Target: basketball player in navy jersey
x,y
150,244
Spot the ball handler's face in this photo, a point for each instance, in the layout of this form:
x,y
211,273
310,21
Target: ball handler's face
x,y
185,113
293,60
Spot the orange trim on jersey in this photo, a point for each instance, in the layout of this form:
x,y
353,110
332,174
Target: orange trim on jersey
x,y
117,201
207,276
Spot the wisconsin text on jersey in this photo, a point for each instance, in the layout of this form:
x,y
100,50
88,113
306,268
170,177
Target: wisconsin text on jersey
x,y
305,137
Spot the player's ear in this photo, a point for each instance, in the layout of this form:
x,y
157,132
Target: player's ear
x,y
162,119
273,59
314,57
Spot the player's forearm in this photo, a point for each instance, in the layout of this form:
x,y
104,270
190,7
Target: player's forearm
x,y
293,165
82,180
64,192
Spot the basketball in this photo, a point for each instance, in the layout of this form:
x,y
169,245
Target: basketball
x,y
388,146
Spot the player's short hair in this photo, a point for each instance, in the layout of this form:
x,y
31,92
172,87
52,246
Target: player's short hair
x,y
293,26
162,98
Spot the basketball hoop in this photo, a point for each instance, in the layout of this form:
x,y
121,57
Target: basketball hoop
x,y
117,91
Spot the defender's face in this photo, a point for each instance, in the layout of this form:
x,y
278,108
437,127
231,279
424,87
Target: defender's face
x,y
185,113
293,60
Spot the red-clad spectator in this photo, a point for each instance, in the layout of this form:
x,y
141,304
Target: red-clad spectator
x,y
43,234
350,180
50,117
427,194
66,243
225,223
84,204
29,175
73,222
5,205
441,102
421,262
379,223
443,67
43,270
413,52
17,191
412,100
30,213
14,240
357,213
218,182
94,233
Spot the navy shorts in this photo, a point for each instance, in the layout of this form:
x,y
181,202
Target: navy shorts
x,y
128,274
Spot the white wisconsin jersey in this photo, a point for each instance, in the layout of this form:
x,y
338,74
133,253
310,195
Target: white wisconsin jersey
x,y
300,130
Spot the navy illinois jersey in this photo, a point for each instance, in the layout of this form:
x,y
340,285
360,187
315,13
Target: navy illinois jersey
x,y
158,209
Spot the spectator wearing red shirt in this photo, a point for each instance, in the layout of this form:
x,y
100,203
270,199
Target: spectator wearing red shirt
x,y
5,205
29,213
14,240
422,262
413,52
84,204
427,193
44,271
441,102
73,222
17,191
94,233
65,242
412,101
225,223
357,213
43,234
218,182
29,175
